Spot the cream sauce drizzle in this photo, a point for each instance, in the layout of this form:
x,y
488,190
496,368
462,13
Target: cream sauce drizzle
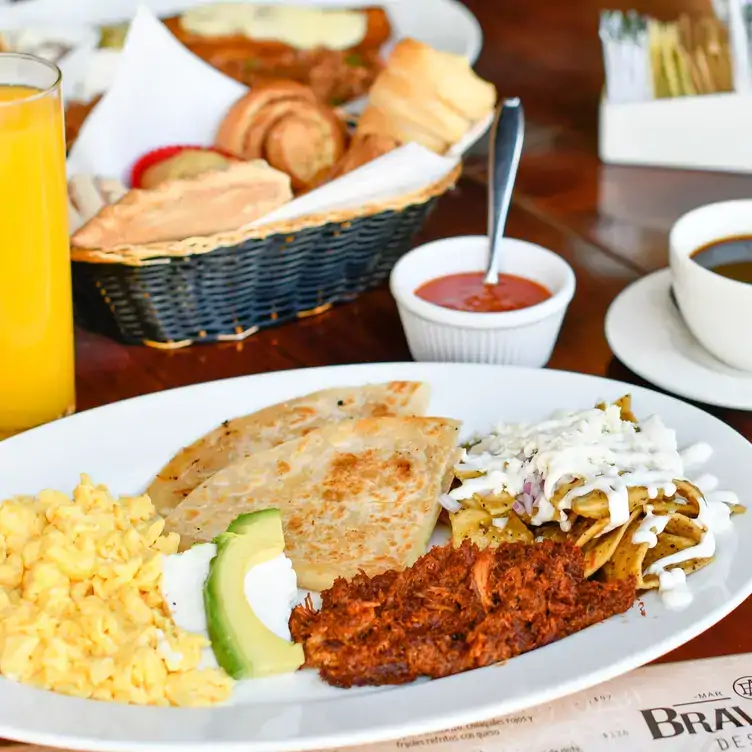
x,y
674,589
650,528
608,455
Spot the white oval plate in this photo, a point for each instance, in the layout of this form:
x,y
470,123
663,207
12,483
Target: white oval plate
x,y
124,444
444,24
646,332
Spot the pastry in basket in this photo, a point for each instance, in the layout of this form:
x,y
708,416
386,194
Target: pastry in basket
x,y
284,124
335,51
213,202
427,96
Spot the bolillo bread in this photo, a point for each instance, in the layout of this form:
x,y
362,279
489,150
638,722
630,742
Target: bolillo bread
x,y
284,124
377,122
450,77
218,201
408,99
427,96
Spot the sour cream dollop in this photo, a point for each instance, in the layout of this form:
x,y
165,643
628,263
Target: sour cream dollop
x,y
271,589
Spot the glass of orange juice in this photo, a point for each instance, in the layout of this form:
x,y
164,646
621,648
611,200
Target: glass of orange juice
x,y
37,374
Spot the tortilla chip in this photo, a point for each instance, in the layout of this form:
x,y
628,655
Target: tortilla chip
x,y
239,438
598,549
680,533
517,530
625,407
476,525
595,504
473,524
552,531
357,495
674,505
630,559
626,559
652,581
496,505
584,529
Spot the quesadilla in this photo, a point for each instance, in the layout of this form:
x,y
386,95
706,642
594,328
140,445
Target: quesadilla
x,y
358,495
239,438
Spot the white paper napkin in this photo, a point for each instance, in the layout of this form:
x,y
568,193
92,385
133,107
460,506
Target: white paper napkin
x,y
164,95
403,171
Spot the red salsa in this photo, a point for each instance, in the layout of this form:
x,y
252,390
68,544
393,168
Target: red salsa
x,y
466,292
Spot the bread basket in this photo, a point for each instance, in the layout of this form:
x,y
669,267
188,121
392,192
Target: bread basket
x,y
228,286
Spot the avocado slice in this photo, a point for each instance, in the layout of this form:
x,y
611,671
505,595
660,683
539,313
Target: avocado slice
x,y
242,644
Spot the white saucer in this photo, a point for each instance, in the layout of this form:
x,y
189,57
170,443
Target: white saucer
x,y
647,334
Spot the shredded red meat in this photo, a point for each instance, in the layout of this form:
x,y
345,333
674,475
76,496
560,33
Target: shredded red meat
x,y
454,610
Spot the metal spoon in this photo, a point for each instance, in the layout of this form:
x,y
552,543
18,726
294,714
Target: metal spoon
x,y
507,136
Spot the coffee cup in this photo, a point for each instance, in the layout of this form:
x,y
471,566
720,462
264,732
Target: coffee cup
x,y
716,308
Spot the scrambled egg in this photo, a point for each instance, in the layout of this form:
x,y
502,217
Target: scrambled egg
x,y
81,604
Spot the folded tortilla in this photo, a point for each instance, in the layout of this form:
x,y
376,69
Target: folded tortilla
x,y
239,438
358,495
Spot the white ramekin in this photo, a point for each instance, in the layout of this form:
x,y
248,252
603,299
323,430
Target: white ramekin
x,y
717,310
523,338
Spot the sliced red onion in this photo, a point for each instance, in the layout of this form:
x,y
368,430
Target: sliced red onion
x,y
517,507
450,504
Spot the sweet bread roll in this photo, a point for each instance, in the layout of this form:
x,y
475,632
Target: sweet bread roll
x,y
284,124
427,96
214,202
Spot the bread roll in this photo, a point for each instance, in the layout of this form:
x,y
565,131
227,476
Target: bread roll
x,y
284,124
408,99
448,76
218,201
377,122
189,163
427,96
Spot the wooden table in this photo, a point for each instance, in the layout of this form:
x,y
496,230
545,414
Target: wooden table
x,y
610,223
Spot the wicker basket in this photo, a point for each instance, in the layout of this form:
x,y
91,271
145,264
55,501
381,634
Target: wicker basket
x,y
228,286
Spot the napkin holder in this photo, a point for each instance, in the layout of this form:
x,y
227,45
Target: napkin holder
x,y
708,132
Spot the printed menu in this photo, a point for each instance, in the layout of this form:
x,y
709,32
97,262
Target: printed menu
x,y
693,706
